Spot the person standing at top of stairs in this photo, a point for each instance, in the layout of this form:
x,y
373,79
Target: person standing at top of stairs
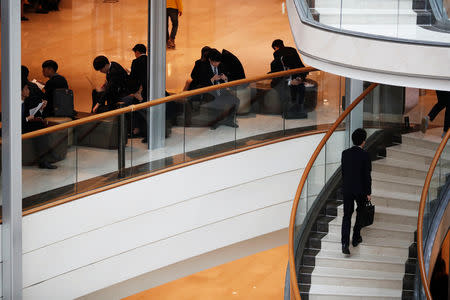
x,y
356,169
174,9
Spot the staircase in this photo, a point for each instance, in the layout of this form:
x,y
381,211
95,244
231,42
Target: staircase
x,y
381,267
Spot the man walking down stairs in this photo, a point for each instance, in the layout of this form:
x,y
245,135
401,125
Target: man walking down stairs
x,y
376,268
356,168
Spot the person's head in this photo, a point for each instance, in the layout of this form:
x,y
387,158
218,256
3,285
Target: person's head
x,y
101,64
139,49
25,73
359,137
277,44
205,51
25,90
49,68
214,57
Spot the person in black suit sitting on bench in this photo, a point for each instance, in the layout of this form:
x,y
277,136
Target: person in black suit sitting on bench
x,y
356,168
32,123
213,72
55,81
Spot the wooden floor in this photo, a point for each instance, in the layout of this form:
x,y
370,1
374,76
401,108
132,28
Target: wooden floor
x,y
259,276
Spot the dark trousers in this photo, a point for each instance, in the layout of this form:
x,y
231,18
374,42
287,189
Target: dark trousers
x,y
298,94
349,207
443,102
172,13
41,144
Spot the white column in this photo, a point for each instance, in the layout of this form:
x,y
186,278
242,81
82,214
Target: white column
x,y
11,151
354,88
157,72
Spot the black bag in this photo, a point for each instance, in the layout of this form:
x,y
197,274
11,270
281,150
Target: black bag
x,y
63,103
367,212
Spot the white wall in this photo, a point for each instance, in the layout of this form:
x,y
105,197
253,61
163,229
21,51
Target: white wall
x,y
393,63
95,242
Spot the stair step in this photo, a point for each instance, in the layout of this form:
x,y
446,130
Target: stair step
x,y
390,215
416,140
401,168
322,292
390,199
382,242
411,153
352,277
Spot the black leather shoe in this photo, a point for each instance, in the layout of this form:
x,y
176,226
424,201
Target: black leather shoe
x,y
345,250
47,165
357,241
214,127
232,124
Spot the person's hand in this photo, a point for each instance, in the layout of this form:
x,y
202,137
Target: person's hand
x,y
216,78
30,118
369,198
296,81
94,110
44,104
180,13
223,77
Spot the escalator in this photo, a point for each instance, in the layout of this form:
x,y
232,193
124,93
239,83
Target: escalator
x,y
385,265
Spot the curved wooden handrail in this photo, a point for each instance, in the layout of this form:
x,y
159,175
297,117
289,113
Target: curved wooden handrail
x,y
159,101
423,202
293,275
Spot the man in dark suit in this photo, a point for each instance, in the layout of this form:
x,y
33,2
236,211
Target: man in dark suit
x,y
287,58
213,72
114,90
55,81
31,123
138,74
356,168
36,95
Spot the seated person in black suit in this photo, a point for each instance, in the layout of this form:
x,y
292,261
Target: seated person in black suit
x,y
194,83
213,72
114,90
55,81
138,85
287,58
357,186
31,123
36,95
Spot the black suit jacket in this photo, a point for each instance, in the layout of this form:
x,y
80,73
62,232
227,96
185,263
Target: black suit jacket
x,y
56,82
287,58
116,86
356,168
138,75
205,73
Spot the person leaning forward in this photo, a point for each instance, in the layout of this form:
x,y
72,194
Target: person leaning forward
x,y
356,169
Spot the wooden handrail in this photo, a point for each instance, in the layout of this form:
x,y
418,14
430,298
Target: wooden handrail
x,y
292,271
423,202
159,101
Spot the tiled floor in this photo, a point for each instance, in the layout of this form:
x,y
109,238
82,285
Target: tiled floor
x,y
261,276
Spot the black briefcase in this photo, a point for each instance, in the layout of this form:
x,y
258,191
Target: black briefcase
x,y
367,212
63,103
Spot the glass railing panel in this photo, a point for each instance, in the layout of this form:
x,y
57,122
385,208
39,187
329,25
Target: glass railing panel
x,y
211,123
316,179
49,165
386,19
313,104
337,143
103,151
154,145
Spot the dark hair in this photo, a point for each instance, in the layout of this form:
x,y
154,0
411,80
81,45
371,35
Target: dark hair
x,y
23,83
214,55
205,51
278,44
50,64
100,62
359,136
140,48
25,73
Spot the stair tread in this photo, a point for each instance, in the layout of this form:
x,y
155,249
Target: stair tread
x,y
392,162
355,273
378,192
321,289
390,210
411,149
372,241
364,257
379,225
397,179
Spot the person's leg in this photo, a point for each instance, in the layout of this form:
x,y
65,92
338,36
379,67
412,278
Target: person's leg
x,y
174,19
167,24
440,105
444,97
349,207
358,223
